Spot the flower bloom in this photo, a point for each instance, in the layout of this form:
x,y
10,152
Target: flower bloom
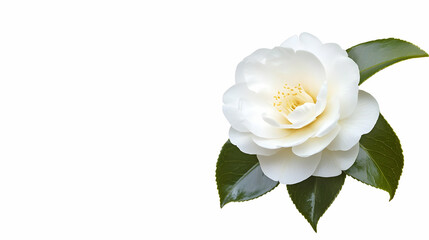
x,y
298,107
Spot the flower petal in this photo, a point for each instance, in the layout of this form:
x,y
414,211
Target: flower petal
x,y
287,168
328,53
305,41
309,41
329,119
234,93
327,167
360,122
315,144
333,163
307,71
265,68
244,109
303,113
292,42
322,99
234,118
345,159
231,108
294,137
244,142
257,75
343,80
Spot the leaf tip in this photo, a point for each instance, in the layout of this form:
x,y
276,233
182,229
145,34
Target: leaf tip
x,y
314,226
391,196
222,204
312,222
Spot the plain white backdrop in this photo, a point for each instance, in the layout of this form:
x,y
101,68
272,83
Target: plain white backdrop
x,y
111,121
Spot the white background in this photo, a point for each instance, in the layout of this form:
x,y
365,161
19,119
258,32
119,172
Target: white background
x,y
111,121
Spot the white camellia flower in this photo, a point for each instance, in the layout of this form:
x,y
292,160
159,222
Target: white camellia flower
x,y
298,107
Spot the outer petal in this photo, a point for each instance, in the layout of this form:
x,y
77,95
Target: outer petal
x,y
244,108
231,108
292,42
328,53
333,163
345,159
244,142
287,168
259,55
305,41
265,68
257,75
343,80
360,122
308,39
315,144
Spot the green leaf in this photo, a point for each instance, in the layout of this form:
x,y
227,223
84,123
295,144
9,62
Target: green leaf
x,y
239,176
373,56
313,196
380,158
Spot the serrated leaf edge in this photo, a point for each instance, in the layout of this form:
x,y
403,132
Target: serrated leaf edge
x,y
390,195
395,60
402,152
252,198
223,203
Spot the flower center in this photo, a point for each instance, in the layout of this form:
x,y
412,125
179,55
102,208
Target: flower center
x,y
289,98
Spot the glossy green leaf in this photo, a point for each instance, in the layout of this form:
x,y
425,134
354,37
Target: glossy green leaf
x,y
313,196
239,176
380,160
373,56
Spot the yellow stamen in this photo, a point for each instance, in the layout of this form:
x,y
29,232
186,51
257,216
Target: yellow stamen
x,y
289,100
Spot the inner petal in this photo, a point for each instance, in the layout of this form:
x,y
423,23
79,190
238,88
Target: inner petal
x,y
303,113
